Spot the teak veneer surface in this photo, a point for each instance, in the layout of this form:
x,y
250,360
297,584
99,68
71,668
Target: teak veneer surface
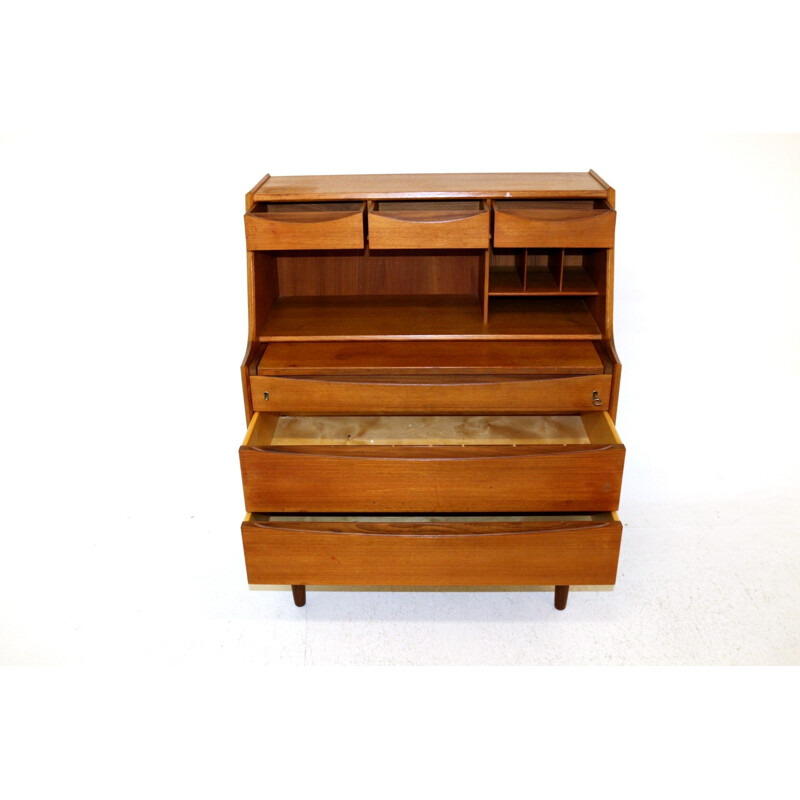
x,y
376,187
431,344
382,272
430,357
426,317
432,479
452,554
507,282
446,523
550,475
427,394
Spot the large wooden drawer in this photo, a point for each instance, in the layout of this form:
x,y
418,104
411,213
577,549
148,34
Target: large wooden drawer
x,y
420,395
305,226
537,223
432,551
429,224
441,464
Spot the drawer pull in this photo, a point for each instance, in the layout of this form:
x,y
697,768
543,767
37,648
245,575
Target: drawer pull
x,y
595,398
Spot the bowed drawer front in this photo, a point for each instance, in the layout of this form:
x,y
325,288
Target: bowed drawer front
x,y
426,551
553,224
447,395
460,224
305,226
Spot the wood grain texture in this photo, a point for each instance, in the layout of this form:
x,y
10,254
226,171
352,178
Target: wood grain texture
x,y
249,200
432,554
611,196
305,226
433,479
426,317
430,357
428,186
431,224
431,395
392,272
262,291
570,282
405,366
531,224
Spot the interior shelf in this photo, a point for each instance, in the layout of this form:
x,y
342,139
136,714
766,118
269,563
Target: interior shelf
x,y
507,282
431,357
399,317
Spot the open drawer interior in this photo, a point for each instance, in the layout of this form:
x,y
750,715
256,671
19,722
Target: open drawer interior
x,y
553,223
429,223
273,430
305,212
412,520
429,210
553,209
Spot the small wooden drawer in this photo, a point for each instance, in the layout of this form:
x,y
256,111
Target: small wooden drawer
x,y
553,223
423,464
420,551
429,224
419,395
305,226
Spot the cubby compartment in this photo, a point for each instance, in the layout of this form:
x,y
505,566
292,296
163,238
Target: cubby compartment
x,y
545,272
582,271
507,271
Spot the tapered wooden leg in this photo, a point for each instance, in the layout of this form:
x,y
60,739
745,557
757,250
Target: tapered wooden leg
x,y
299,594
561,597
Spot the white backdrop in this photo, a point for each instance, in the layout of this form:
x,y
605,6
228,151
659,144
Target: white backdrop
x,y
129,137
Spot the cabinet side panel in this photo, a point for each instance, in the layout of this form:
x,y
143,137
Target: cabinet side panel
x,y
262,292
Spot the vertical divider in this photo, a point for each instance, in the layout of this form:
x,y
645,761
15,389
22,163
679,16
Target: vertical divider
x,y
521,258
486,260
369,207
555,263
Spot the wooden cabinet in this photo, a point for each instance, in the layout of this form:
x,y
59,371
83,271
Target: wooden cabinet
x,y
431,382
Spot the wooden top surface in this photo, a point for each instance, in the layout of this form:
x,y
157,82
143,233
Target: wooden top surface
x,y
433,185
422,317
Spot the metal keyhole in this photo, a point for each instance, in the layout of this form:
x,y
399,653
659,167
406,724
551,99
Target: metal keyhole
x,y
596,399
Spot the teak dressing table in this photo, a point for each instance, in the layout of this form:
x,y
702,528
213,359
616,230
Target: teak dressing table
x,y
431,382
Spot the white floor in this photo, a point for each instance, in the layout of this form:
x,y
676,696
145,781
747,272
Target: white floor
x,y
714,588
